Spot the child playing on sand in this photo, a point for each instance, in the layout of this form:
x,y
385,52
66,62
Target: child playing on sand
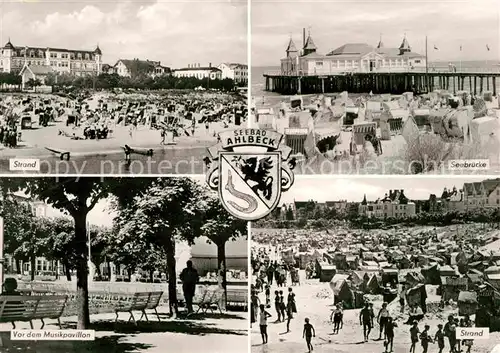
x,y
308,333
439,338
263,323
414,336
425,338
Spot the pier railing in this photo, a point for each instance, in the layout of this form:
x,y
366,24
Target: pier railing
x,y
395,70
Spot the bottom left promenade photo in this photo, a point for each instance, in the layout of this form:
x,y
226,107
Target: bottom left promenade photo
x,y
120,265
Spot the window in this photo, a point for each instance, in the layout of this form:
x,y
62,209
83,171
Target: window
x,y
498,201
418,61
319,63
64,56
53,55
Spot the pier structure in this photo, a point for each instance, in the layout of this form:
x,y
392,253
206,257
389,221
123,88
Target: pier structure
x,y
383,82
363,68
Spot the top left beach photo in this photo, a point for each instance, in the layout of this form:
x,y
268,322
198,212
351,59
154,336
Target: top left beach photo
x,y
107,88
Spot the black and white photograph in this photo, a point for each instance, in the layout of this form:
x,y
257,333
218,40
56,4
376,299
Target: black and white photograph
x,y
378,265
126,87
380,87
138,264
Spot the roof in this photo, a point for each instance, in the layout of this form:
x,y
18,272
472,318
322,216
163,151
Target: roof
x,y
38,69
491,185
50,49
98,51
204,68
309,44
8,45
352,49
467,297
405,45
291,46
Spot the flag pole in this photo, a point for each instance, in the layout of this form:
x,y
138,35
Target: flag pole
x,y
426,64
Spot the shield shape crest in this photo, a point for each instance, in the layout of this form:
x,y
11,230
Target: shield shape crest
x,y
250,183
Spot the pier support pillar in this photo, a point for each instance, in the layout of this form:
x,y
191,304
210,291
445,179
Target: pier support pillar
x,y
299,88
323,85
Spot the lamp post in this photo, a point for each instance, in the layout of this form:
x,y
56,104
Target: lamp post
x,y
2,260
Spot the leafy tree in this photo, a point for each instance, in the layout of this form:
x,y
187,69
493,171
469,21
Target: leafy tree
x,y
220,227
33,83
76,197
170,210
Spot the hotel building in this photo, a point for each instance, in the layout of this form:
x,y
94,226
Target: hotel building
x,y
63,61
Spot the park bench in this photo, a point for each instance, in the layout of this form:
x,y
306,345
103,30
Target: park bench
x,y
27,308
210,300
140,301
237,297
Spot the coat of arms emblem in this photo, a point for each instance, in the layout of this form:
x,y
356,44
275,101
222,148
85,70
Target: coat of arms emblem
x,y
250,170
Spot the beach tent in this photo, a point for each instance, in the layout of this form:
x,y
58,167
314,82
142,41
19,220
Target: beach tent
x,y
467,303
452,286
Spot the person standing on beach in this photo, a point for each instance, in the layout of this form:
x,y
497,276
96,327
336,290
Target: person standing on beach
x,y
189,277
336,318
289,317
277,305
450,331
389,334
291,301
263,323
382,316
365,320
414,332
425,338
282,306
308,334
439,338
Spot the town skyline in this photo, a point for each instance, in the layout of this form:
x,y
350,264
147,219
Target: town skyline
x,y
367,22
165,31
354,189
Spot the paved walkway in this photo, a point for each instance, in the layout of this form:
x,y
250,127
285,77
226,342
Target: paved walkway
x,y
204,333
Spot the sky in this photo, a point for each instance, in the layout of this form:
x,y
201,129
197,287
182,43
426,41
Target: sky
x,y
448,24
353,189
177,33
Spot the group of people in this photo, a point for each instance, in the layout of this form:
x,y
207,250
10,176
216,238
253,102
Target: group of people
x,y
96,115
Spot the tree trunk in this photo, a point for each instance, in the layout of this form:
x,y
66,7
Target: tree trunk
x,y
151,276
169,245
221,260
33,267
109,271
67,270
82,286
129,274
18,267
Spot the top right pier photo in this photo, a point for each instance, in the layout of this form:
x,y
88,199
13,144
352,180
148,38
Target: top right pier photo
x,y
380,87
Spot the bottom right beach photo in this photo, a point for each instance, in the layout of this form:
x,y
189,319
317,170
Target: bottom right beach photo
x,y
370,264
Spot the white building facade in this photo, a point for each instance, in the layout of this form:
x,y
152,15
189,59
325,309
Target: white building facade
x,y
199,72
63,61
236,72
350,58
